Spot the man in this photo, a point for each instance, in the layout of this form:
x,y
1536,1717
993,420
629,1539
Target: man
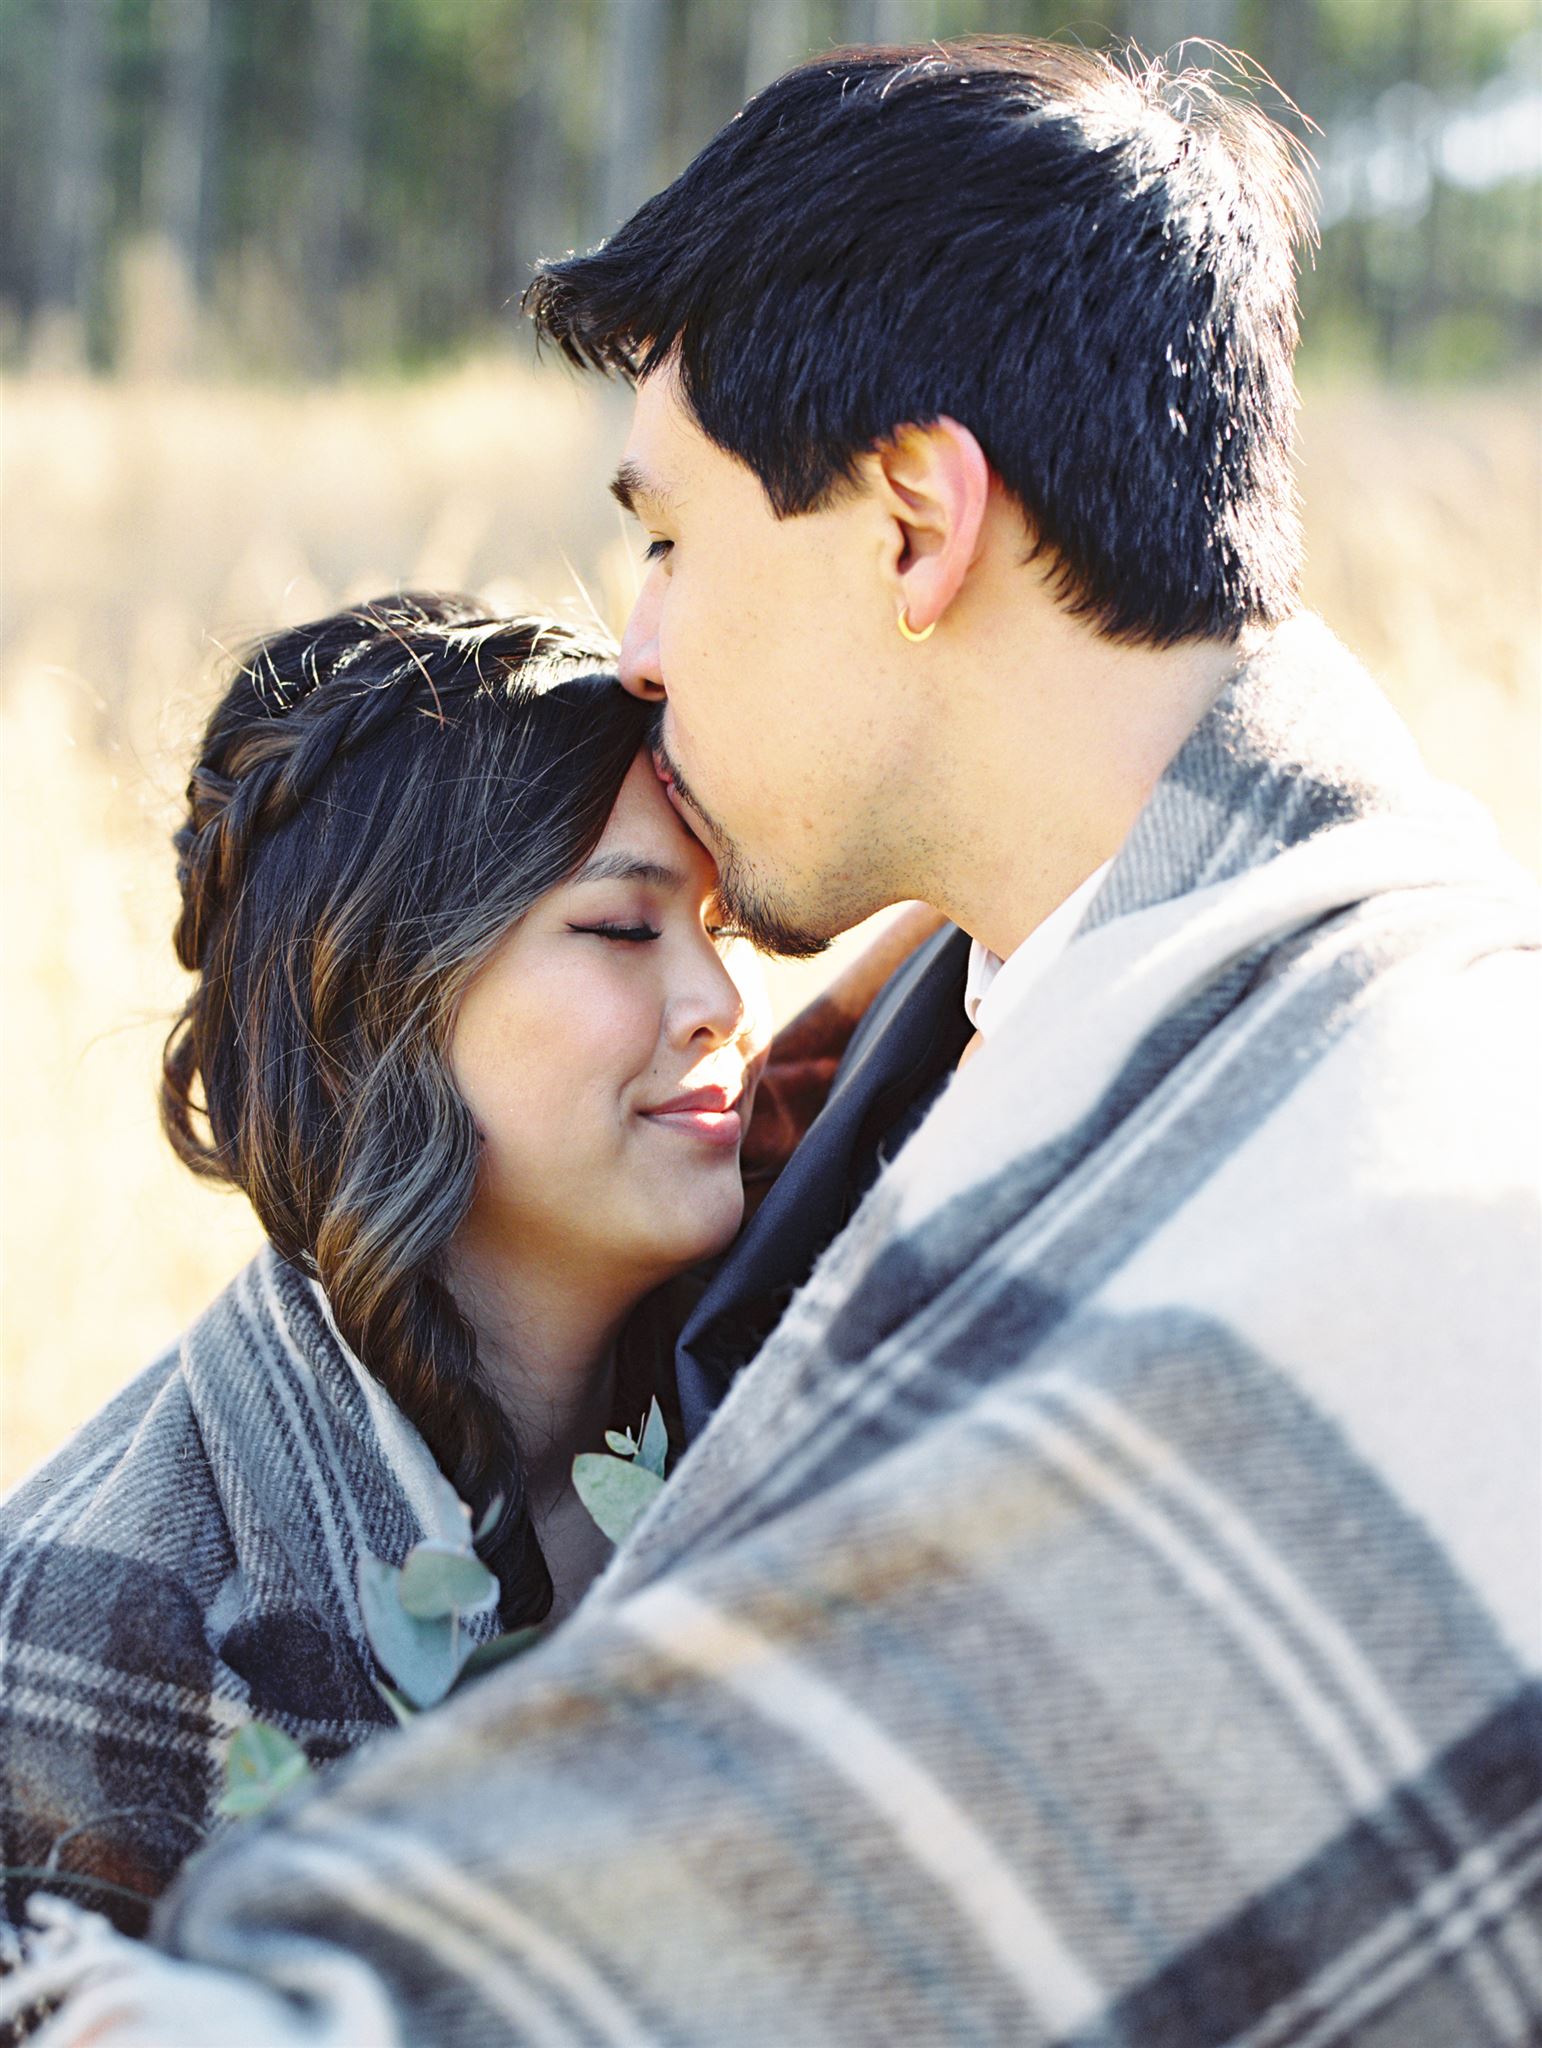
x,y
1106,1610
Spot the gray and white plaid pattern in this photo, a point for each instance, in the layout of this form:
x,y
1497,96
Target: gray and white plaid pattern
x,y
1106,1613
189,1560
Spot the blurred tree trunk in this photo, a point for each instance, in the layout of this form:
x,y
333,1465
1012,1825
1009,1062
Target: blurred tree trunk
x,y
70,249
1401,107
1160,26
634,42
1428,63
166,278
886,21
538,185
183,162
1290,50
777,37
335,169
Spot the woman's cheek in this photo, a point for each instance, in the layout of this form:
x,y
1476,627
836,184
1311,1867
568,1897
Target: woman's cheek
x,y
619,1029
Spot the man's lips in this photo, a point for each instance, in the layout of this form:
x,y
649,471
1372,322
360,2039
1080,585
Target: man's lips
x,y
683,809
711,1114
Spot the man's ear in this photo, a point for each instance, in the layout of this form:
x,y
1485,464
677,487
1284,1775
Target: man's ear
x,y
934,482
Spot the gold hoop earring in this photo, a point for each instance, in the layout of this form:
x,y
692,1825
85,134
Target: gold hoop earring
x,y
908,632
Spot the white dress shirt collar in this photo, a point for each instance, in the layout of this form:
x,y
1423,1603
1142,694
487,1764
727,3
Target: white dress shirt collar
x,y
994,985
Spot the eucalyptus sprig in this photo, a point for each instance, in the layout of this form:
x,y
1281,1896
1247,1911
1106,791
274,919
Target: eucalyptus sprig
x,y
619,1489
413,1612
413,1615
261,1765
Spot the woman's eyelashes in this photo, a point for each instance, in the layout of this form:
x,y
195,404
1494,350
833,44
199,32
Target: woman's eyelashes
x,y
720,933
657,549
632,934
720,927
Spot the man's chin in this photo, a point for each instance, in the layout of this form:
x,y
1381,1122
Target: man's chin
x,y
768,924
746,903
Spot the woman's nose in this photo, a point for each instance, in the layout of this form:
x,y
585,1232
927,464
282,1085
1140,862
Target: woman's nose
x,y
711,1008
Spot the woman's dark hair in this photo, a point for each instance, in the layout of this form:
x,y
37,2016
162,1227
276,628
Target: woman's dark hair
x,y
1088,263
378,798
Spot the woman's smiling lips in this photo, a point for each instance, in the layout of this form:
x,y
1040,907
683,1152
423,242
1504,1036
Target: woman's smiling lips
x,y
710,1114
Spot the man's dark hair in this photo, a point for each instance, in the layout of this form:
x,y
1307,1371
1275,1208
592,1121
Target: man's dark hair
x,y
1090,264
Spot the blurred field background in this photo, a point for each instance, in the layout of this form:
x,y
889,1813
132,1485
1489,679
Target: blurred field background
x,y
258,358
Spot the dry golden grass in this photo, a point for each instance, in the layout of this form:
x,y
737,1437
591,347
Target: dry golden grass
x,y
148,526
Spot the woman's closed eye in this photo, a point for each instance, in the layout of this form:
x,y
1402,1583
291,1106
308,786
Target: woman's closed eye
x,y
634,934
657,549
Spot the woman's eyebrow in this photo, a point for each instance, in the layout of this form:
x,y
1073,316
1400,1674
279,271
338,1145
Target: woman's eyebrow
x,y
629,867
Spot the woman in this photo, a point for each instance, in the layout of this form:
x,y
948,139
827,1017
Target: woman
x,y
465,1030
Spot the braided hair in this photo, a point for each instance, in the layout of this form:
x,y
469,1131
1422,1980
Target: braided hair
x,y
378,798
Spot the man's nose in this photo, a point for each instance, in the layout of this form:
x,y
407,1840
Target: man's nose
x,y
641,672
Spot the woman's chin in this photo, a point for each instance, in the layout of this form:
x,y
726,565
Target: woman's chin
x,y
699,1230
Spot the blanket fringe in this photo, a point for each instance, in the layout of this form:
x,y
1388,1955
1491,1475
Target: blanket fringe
x,y
124,1994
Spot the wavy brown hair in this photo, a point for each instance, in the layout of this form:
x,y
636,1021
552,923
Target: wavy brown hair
x,y
379,797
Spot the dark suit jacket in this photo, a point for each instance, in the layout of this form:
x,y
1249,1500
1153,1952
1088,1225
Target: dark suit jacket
x,y
898,1059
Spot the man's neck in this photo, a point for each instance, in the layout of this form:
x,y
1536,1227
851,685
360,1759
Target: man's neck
x,y
1049,742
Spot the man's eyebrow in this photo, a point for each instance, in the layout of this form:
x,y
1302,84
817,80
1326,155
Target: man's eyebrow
x,y
629,867
631,486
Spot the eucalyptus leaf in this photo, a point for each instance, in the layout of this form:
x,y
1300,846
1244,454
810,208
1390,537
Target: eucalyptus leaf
x,y
436,1581
422,1657
654,1448
616,1494
451,1518
621,1442
405,1713
488,1656
489,1520
261,1765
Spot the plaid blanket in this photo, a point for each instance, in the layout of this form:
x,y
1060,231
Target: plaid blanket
x,y
1106,1613
187,1562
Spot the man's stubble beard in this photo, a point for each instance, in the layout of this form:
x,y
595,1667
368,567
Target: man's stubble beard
x,y
747,903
